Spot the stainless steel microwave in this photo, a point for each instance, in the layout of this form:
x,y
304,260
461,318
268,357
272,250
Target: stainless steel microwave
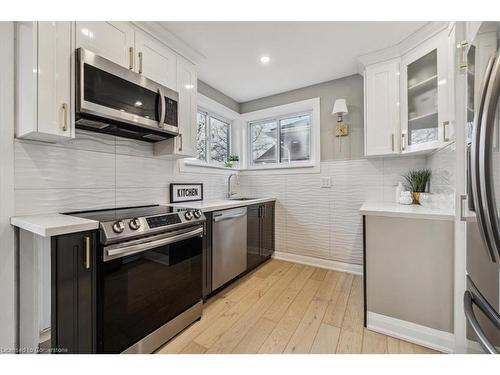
x,y
114,100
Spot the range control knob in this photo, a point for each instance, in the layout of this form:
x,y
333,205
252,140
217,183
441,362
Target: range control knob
x,y
134,224
118,226
197,214
188,215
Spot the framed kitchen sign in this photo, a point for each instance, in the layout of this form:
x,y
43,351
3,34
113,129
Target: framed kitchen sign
x,y
185,192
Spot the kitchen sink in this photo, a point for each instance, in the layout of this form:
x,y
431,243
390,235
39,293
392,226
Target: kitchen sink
x,y
242,199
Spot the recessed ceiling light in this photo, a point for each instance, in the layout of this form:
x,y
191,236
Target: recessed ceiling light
x,y
265,59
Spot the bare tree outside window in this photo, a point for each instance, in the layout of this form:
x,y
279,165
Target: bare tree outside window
x,y
201,138
219,140
213,138
263,140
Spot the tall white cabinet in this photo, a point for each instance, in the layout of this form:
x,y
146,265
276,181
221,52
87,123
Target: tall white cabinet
x,y
382,108
45,71
407,95
44,81
184,145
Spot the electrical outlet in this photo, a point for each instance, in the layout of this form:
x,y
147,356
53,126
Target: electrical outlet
x,y
326,182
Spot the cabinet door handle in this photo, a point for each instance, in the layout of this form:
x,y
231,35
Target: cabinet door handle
x,y
131,58
445,125
180,142
463,198
87,252
403,141
392,142
65,116
140,62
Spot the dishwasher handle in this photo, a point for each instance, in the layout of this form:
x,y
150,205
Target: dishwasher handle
x,y
222,217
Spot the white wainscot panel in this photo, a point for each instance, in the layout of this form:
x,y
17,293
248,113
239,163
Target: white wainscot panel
x,y
33,201
307,211
137,172
395,169
356,172
90,141
141,196
41,166
133,147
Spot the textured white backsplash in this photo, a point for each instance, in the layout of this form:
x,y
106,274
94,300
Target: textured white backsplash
x,y
443,164
96,171
101,171
325,222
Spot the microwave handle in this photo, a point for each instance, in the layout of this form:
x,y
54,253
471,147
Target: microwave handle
x,y
161,120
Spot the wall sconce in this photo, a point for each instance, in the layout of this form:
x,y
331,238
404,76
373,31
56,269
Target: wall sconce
x,y
340,109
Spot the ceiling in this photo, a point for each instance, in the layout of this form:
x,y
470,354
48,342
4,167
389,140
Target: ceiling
x,y
302,53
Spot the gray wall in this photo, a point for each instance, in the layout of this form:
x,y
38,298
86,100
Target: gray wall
x,y
218,96
349,88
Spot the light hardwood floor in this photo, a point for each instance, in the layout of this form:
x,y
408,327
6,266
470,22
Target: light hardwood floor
x,y
284,307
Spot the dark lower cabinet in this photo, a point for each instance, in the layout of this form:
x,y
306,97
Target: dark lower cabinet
x,y
260,233
73,274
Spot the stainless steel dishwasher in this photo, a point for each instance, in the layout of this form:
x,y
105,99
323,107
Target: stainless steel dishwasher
x,y
229,245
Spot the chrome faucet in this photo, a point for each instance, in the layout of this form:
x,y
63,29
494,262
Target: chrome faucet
x,y
229,192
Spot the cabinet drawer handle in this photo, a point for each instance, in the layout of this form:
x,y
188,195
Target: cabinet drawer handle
x,y
445,125
140,62
392,142
65,116
131,58
87,252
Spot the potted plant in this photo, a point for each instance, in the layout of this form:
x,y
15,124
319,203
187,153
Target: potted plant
x,y
232,160
417,182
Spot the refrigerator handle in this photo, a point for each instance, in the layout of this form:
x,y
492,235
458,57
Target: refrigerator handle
x,y
477,166
471,318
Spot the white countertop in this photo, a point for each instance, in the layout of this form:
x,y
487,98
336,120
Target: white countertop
x,y
220,204
48,225
411,211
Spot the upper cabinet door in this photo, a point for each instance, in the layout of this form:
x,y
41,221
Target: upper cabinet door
x,y
111,40
55,72
424,87
155,61
382,108
187,86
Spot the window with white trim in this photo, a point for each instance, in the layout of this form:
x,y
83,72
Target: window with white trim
x,y
291,132
213,138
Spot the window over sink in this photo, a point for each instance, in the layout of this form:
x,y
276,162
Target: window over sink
x,y
281,141
213,138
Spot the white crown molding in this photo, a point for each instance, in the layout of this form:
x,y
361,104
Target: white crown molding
x,y
411,332
421,35
158,30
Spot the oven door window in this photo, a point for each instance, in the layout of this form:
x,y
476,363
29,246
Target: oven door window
x,y
143,291
108,90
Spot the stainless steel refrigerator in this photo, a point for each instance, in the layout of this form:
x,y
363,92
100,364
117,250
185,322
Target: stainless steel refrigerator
x,y
482,298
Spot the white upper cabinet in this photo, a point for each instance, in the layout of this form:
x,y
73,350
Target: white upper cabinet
x,y
382,108
425,123
44,71
155,60
111,40
184,145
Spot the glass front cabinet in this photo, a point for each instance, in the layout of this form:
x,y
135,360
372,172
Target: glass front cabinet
x,y
425,122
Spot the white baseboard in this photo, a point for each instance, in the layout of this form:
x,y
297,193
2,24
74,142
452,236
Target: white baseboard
x,y
415,333
321,263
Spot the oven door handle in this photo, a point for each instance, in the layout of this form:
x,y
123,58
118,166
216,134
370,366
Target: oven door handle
x,y
133,249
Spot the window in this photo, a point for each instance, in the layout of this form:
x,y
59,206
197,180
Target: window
x,y
293,135
213,138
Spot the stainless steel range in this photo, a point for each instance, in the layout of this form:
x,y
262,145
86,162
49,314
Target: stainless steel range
x,y
150,274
